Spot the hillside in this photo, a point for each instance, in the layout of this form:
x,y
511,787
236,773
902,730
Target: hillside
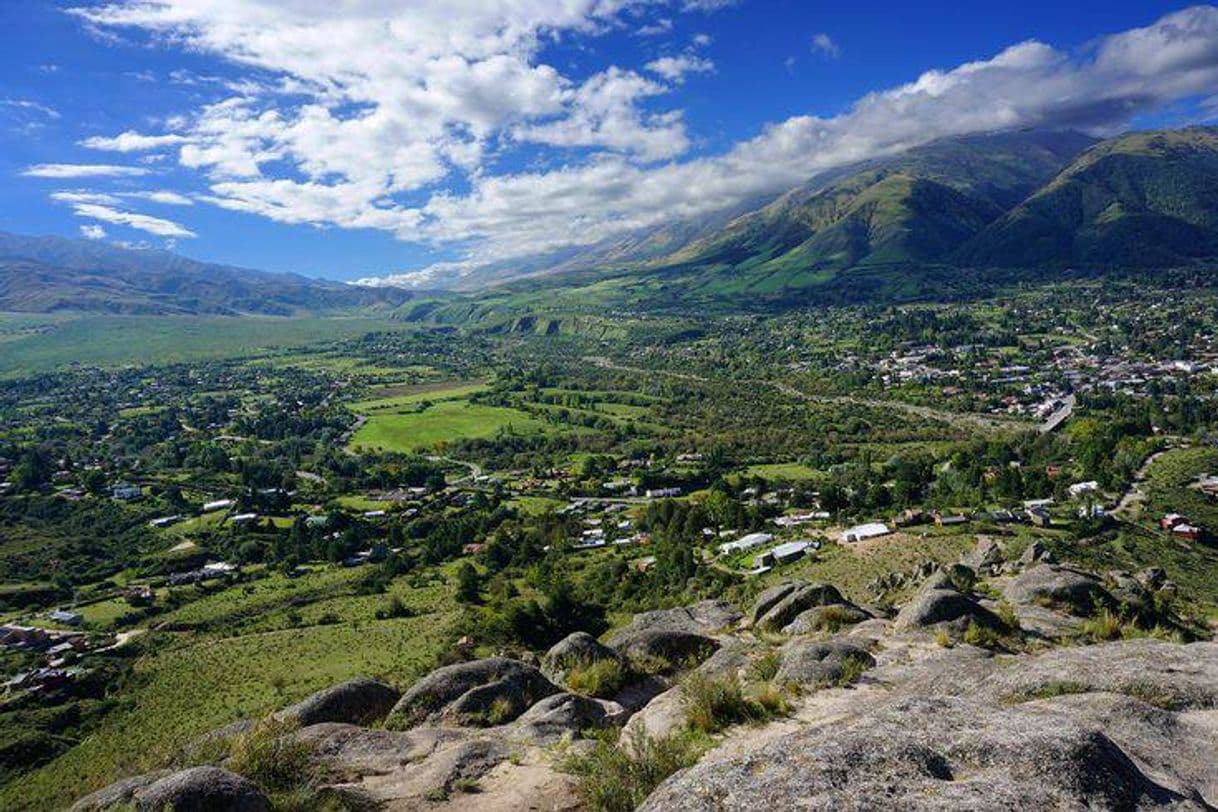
x,y
50,274
1140,200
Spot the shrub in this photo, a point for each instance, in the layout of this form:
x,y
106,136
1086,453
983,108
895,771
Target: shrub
x,y
1049,690
765,668
1104,626
467,785
943,638
614,780
981,636
270,756
600,678
1006,613
852,668
712,704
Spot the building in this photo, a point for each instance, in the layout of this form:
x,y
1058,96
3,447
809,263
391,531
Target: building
x,y
65,617
950,519
1040,517
126,492
662,493
783,554
747,542
862,532
1188,531
1079,489
1172,520
219,504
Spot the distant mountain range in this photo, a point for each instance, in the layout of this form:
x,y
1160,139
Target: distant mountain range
x,y
48,274
1034,202
933,220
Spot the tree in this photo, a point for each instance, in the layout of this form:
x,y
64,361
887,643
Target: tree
x,y
469,584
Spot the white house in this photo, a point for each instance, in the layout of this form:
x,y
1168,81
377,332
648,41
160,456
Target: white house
x,y
219,504
749,542
861,532
1080,488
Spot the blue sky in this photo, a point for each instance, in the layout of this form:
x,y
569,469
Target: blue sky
x,y
425,138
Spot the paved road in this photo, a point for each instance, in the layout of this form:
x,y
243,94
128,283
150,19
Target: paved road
x,y
1060,416
1134,495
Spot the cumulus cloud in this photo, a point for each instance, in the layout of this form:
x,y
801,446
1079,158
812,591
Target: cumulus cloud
x,y
93,232
824,45
61,171
131,141
392,115
674,68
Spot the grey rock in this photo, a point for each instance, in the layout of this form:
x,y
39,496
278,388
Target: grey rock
x,y
1036,553
934,607
467,692
705,617
820,663
575,649
729,661
802,598
666,648
359,701
566,715
1073,591
769,598
203,789
120,794
826,618
662,717
986,555
964,731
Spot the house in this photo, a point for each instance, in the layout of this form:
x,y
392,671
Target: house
x,y
1188,531
1171,521
949,520
126,492
747,542
165,521
909,517
1040,517
662,493
219,504
862,532
65,617
473,548
1079,489
783,554
796,519
242,518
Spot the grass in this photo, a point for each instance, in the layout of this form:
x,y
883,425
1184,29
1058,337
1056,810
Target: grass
x,y
600,678
1049,690
712,704
270,756
616,779
785,472
442,423
104,340
411,396
249,661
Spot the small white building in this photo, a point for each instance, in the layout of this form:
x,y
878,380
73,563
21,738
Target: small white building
x,y
748,542
219,504
1082,488
862,532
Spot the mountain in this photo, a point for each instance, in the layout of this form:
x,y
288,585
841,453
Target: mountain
x,y
1142,200
952,217
45,274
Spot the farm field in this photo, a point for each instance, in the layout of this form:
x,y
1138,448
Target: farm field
x,y
441,423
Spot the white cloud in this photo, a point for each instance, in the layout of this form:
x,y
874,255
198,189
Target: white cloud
x,y
153,225
93,232
30,106
62,171
131,141
166,198
394,115
674,68
824,45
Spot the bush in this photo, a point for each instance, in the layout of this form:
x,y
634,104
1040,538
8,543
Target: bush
x,y
712,704
981,636
1104,626
852,668
614,780
600,678
765,668
270,756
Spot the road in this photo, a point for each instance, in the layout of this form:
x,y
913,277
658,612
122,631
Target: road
x,y
475,470
1060,416
1134,494
960,419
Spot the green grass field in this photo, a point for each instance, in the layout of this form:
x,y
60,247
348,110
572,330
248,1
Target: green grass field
x,y
261,646
786,471
115,340
443,422
412,396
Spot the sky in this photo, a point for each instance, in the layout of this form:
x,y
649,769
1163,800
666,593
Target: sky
x,y
415,141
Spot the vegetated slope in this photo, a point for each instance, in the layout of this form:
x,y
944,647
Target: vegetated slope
x,y
1141,200
47,274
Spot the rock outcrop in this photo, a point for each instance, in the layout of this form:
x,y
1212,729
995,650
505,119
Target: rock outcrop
x,y
576,649
359,701
822,663
199,789
1115,726
482,692
790,604
1062,588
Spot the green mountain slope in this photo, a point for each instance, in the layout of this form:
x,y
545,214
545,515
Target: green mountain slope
x,y
919,208
1147,199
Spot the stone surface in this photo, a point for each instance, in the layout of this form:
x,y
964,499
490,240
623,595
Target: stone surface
x,y
1074,591
991,733
575,649
359,701
705,618
803,597
657,646
935,607
490,691
198,789
819,663
826,618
